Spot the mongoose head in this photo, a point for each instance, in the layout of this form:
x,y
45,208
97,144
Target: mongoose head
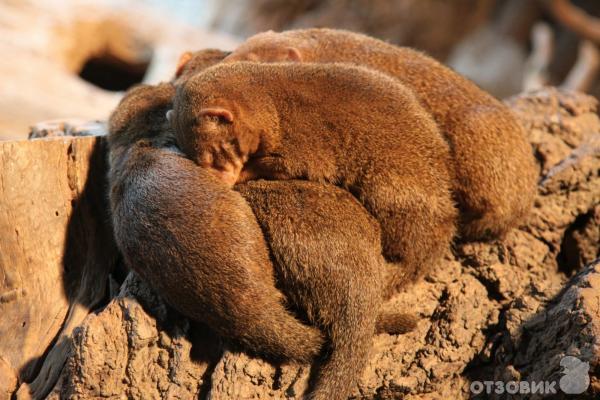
x,y
266,47
207,136
141,115
219,118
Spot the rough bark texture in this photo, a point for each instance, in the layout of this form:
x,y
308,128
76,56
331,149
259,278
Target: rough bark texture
x,y
139,349
506,310
56,250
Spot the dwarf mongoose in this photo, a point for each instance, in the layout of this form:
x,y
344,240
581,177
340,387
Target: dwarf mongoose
x,y
335,123
176,226
495,173
195,242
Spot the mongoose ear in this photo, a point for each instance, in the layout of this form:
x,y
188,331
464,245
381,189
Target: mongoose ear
x,y
170,116
218,112
293,54
183,60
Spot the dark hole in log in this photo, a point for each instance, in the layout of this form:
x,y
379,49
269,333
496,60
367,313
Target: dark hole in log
x,y
570,257
111,73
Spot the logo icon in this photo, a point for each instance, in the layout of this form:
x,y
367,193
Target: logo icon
x,y
576,377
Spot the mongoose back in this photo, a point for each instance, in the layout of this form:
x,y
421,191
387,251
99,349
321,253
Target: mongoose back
x,y
196,244
495,173
334,123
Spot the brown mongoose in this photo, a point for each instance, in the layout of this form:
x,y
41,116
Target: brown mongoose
x,y
495,172
198,246
336,123
194,239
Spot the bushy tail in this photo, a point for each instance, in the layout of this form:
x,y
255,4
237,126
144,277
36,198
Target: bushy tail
x,y
335,377
351,340
395,323
275,333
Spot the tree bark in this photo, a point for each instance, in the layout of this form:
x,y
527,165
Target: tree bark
x,y
56,251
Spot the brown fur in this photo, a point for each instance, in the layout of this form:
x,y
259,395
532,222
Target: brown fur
x,y
179,228
334,123
331,270
176,225
495,171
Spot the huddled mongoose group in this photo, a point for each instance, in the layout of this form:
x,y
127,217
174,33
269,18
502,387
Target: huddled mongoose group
x,y
199,244
365,147
337,123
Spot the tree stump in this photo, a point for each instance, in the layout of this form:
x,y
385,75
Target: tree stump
x,y
56,251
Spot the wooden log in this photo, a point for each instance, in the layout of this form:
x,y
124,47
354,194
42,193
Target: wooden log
x,y
56,251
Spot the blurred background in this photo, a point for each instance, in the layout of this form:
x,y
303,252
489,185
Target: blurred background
x,y
74,58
